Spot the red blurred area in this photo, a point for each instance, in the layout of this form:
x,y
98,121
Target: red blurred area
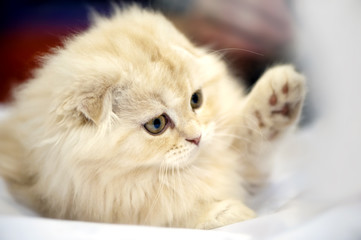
x,y
21,50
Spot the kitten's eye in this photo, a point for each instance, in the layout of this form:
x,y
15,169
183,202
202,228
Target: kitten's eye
x,y
196,99
157,125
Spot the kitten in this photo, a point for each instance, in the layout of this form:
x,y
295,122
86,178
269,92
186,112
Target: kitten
x,y
131,123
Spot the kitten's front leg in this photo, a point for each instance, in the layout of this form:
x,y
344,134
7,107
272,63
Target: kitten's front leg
x,y
274,104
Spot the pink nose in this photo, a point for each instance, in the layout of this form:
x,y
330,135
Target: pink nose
x,y
195,140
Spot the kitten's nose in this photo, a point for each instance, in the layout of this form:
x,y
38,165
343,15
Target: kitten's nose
x,y
195,140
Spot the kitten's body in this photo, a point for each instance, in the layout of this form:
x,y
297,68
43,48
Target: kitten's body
x,y
75,147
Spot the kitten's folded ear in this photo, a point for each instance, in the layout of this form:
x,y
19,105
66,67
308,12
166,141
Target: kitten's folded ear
x,y
96,106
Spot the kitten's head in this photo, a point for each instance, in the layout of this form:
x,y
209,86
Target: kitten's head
x,y
135,92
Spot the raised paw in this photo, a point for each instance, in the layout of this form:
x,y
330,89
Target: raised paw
x,y
225,212
286,94
277,98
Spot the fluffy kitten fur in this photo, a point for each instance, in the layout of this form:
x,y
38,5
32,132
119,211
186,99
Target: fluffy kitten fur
x,y
75,147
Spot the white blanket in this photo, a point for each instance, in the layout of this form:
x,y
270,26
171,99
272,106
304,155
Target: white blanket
x,y
315,189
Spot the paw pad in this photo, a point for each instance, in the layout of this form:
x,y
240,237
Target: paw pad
x,y
285,111
259,118
273,99
285,89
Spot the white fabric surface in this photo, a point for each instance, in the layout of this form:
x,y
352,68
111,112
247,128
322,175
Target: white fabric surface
x,y
315,191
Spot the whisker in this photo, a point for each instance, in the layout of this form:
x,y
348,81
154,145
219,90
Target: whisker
x,y
174,184
223,118
161,179
237,150
232,136
179,181
231,127
236,49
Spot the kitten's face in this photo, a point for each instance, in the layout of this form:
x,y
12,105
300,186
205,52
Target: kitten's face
x,y
163,115
156,98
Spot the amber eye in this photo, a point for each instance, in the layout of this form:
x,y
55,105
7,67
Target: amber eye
x,y
157,125
196,99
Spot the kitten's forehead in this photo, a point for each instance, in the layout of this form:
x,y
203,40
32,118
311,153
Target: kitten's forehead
x,y
167,88
170,72
151,48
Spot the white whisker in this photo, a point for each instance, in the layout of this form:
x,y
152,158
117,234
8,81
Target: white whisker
x,y
161,179
236,49
232,136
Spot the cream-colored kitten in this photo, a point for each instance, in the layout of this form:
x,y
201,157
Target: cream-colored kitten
x,y
130,123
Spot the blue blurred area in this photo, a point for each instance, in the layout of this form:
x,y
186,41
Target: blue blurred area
x,y
55,12
30,28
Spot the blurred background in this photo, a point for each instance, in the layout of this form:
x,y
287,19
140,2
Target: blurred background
x,y
250,34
